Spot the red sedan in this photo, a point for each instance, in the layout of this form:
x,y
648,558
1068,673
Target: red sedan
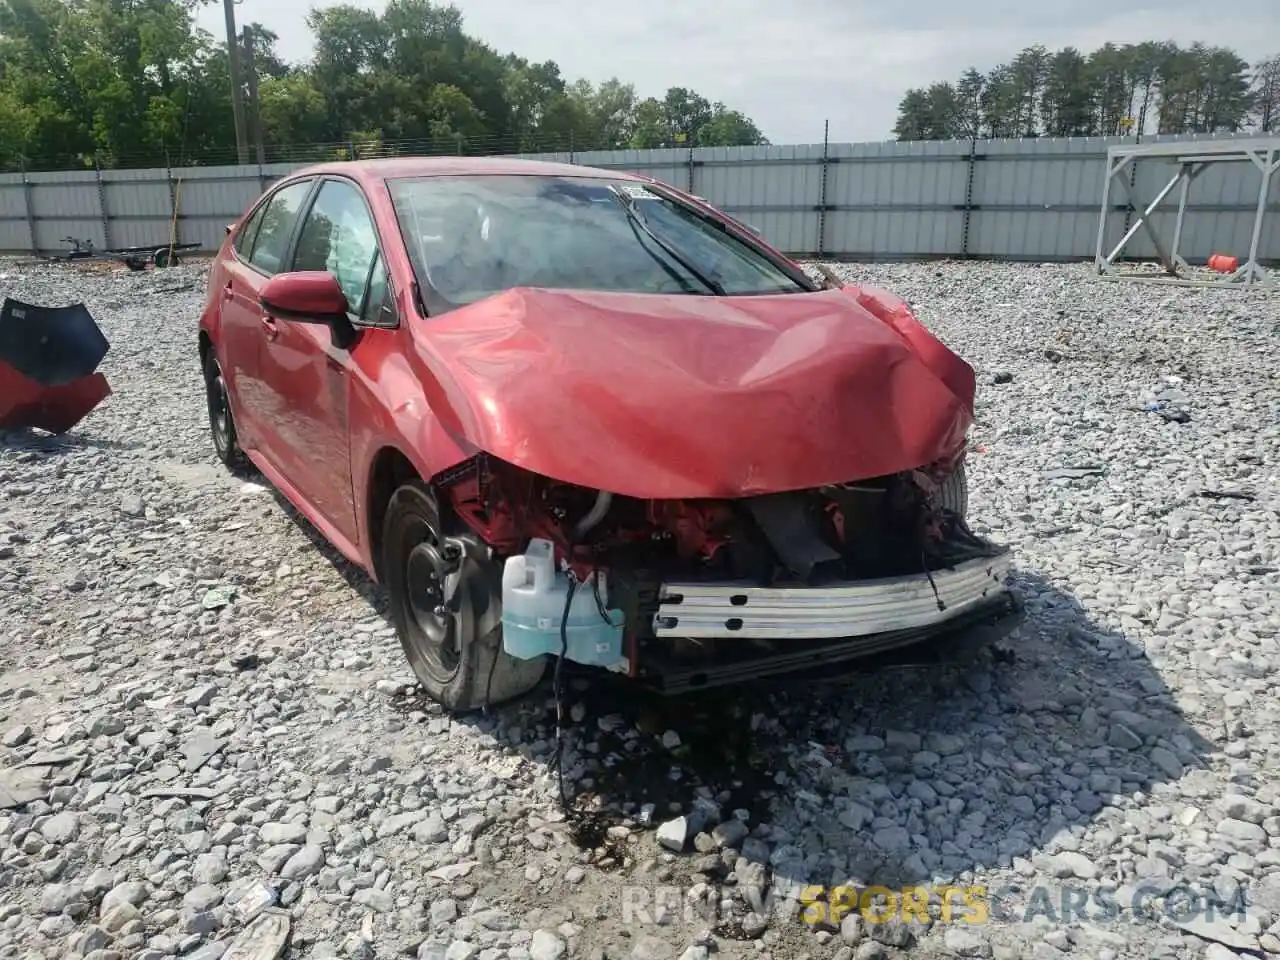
x,y
560,411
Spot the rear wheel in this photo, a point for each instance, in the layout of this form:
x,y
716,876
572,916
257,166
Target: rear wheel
x,y
448,611
221,424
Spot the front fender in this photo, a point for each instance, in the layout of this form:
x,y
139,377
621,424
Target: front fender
x,y
390,411
945,365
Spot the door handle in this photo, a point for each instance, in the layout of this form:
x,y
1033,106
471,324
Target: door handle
x,y
227,292
269,328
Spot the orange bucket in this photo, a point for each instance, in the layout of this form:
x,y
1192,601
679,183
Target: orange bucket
x,y
1221,263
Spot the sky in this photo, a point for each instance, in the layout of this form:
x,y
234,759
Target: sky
x,y
844,61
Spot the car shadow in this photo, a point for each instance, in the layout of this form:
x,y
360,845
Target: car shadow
x,y
987,755
352,575
41,442
925,770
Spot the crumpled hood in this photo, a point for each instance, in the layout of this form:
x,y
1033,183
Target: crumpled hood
x,y
662,397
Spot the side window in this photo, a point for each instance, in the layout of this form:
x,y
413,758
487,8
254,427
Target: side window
x,y
338,236
244,239
278,217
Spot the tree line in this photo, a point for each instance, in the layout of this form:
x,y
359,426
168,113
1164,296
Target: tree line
x,y
136,83
1113,91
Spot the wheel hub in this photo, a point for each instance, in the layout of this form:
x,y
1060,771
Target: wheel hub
x,y
432,582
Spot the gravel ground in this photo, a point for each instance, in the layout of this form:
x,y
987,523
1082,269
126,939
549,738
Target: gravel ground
x,y
211,739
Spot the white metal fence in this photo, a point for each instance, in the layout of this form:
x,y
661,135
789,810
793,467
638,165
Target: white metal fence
x,y
1005,199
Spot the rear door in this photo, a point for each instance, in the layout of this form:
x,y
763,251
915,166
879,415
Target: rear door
x,y
306,378
256,255
237,334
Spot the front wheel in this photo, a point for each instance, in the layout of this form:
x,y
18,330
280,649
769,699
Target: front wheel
x,y
953,493
448,613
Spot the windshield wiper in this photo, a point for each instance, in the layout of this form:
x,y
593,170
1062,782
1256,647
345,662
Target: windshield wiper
x,y
638,222
747,237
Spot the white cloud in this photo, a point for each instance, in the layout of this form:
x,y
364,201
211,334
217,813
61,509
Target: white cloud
x,y
789,69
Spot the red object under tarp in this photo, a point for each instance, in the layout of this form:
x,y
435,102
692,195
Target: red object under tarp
x,y
26,403
668,397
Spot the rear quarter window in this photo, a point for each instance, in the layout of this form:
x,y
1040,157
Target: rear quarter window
x,y
248,230
278,216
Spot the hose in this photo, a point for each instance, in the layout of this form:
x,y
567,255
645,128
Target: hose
x,y
594,515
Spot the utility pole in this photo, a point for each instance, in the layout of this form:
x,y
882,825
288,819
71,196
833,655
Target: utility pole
x,y
237,91
251,74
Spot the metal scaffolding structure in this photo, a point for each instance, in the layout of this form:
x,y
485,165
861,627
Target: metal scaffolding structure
x,y
1192,159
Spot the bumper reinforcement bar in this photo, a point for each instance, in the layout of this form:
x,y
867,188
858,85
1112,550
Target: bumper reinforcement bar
x,y
978,626
853,608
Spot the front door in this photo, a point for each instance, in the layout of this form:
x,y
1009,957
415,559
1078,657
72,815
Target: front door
x,y
258,250
306,376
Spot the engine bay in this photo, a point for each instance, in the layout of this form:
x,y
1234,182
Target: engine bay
x,y
626,554
882,527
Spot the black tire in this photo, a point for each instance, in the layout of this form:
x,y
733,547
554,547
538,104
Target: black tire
x,y
953,494
456,655
222,425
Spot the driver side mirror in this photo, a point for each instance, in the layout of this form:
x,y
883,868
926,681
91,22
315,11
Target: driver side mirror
x,y
310,296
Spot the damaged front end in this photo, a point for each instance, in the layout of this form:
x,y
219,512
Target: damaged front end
x,y
701,592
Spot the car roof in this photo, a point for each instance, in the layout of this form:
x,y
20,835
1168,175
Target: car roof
x,y
392,168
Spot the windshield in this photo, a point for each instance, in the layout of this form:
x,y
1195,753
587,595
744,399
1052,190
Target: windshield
x,y
476,236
